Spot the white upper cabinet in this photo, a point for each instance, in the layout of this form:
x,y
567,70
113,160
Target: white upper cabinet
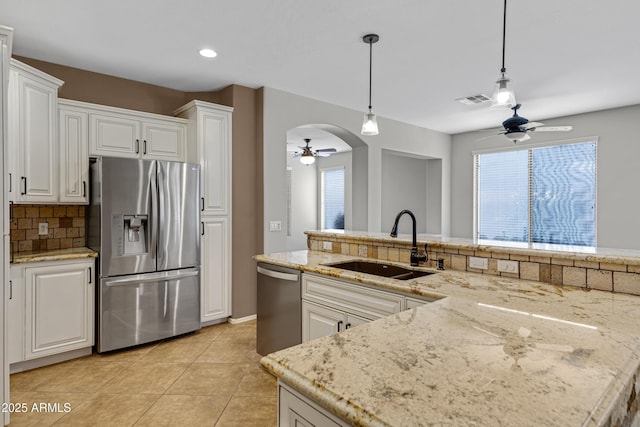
x,y
33,135
74,154
211,129
126,133
114,135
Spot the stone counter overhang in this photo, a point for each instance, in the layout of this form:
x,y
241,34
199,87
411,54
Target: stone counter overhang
x,y
493,350
53,255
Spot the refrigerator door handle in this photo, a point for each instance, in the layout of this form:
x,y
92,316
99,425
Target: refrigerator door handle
x,y
150,277
159,212
155,219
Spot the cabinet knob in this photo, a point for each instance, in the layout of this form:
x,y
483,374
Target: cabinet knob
x,y
137,146
144,146
84,188
339,324
24,181
347,326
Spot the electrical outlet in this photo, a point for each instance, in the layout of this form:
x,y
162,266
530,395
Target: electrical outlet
x,y
327,246
43,228
479,263
275,225
505,266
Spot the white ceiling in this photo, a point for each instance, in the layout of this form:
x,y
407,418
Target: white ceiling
x,y
565,57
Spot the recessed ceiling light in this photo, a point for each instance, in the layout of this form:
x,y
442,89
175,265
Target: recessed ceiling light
x,y
208,53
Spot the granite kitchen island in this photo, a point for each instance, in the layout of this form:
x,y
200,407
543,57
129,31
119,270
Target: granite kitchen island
x,y
489,350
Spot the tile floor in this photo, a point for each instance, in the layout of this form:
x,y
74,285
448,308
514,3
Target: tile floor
x,y
208,378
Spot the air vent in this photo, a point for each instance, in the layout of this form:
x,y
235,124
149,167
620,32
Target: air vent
x,y
475,99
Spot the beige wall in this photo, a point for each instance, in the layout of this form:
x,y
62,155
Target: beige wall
x,y
102,89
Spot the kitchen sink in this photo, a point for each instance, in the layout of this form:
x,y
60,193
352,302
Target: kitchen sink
x,y
378,269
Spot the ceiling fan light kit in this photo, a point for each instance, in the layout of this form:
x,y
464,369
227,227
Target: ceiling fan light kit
x,y
307,159
308,156
503,95
370,124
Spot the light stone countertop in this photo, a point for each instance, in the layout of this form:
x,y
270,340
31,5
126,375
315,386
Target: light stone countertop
x,y
53,255
492,351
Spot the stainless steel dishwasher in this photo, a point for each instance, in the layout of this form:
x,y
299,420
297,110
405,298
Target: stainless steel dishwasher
x,y
279,308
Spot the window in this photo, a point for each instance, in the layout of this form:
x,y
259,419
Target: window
x,y
332,199
544,194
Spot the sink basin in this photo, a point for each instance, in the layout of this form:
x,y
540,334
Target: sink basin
x,y
378,269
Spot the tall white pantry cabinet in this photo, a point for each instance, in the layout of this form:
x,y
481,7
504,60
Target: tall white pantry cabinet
x,y
210,146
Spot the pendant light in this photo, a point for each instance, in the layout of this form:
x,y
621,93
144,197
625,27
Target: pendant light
x,y
370,124
503,95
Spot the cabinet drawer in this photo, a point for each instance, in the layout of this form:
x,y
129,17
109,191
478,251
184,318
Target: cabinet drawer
x,y
350,297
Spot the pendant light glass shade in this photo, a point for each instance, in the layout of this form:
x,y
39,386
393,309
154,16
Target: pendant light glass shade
x,y
503,96
370,124
307,159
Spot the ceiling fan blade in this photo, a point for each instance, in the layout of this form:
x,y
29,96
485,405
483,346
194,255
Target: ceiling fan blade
x,y
532,125
326,150
320,154
490,136
554,129
297,155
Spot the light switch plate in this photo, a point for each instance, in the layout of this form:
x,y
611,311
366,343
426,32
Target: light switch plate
x,y
505,266
275,225
43,228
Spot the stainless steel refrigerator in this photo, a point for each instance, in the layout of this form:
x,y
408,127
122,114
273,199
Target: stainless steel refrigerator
x,y
143,219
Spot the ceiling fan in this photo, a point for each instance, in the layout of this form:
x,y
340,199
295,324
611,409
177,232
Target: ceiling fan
x,y
307,156
516,127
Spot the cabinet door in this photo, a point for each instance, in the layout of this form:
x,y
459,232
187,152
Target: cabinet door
x,y
214,146
353,320
320,321
295,410
216,269
34,140
15,314
414,302
164,141
74,153
113,135
59,308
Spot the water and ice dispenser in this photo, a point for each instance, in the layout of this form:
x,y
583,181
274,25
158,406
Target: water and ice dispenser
x,y
130,234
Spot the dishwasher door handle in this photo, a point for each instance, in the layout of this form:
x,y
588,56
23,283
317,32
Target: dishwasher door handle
x,y
278,275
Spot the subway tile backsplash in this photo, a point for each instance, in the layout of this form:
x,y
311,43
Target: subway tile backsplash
x,y
66,227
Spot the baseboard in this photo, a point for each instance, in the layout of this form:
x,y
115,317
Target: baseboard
x,y
48,360
243,319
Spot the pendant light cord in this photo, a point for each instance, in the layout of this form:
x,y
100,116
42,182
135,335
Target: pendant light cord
x,y
370,67
504,35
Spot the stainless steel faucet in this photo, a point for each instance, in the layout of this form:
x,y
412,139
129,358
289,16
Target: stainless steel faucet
x,y
415,256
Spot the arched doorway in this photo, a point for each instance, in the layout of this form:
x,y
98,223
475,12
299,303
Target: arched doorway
x,y
313,191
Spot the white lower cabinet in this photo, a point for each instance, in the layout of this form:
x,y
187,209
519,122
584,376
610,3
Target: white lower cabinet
x,y
295,410
215,279
15,314
320,321
330,305
56,314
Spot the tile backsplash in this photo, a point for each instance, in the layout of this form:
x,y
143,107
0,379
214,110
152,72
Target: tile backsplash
x,y
66,227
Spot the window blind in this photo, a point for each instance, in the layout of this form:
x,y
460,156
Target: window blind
x,y
540,194
332,203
